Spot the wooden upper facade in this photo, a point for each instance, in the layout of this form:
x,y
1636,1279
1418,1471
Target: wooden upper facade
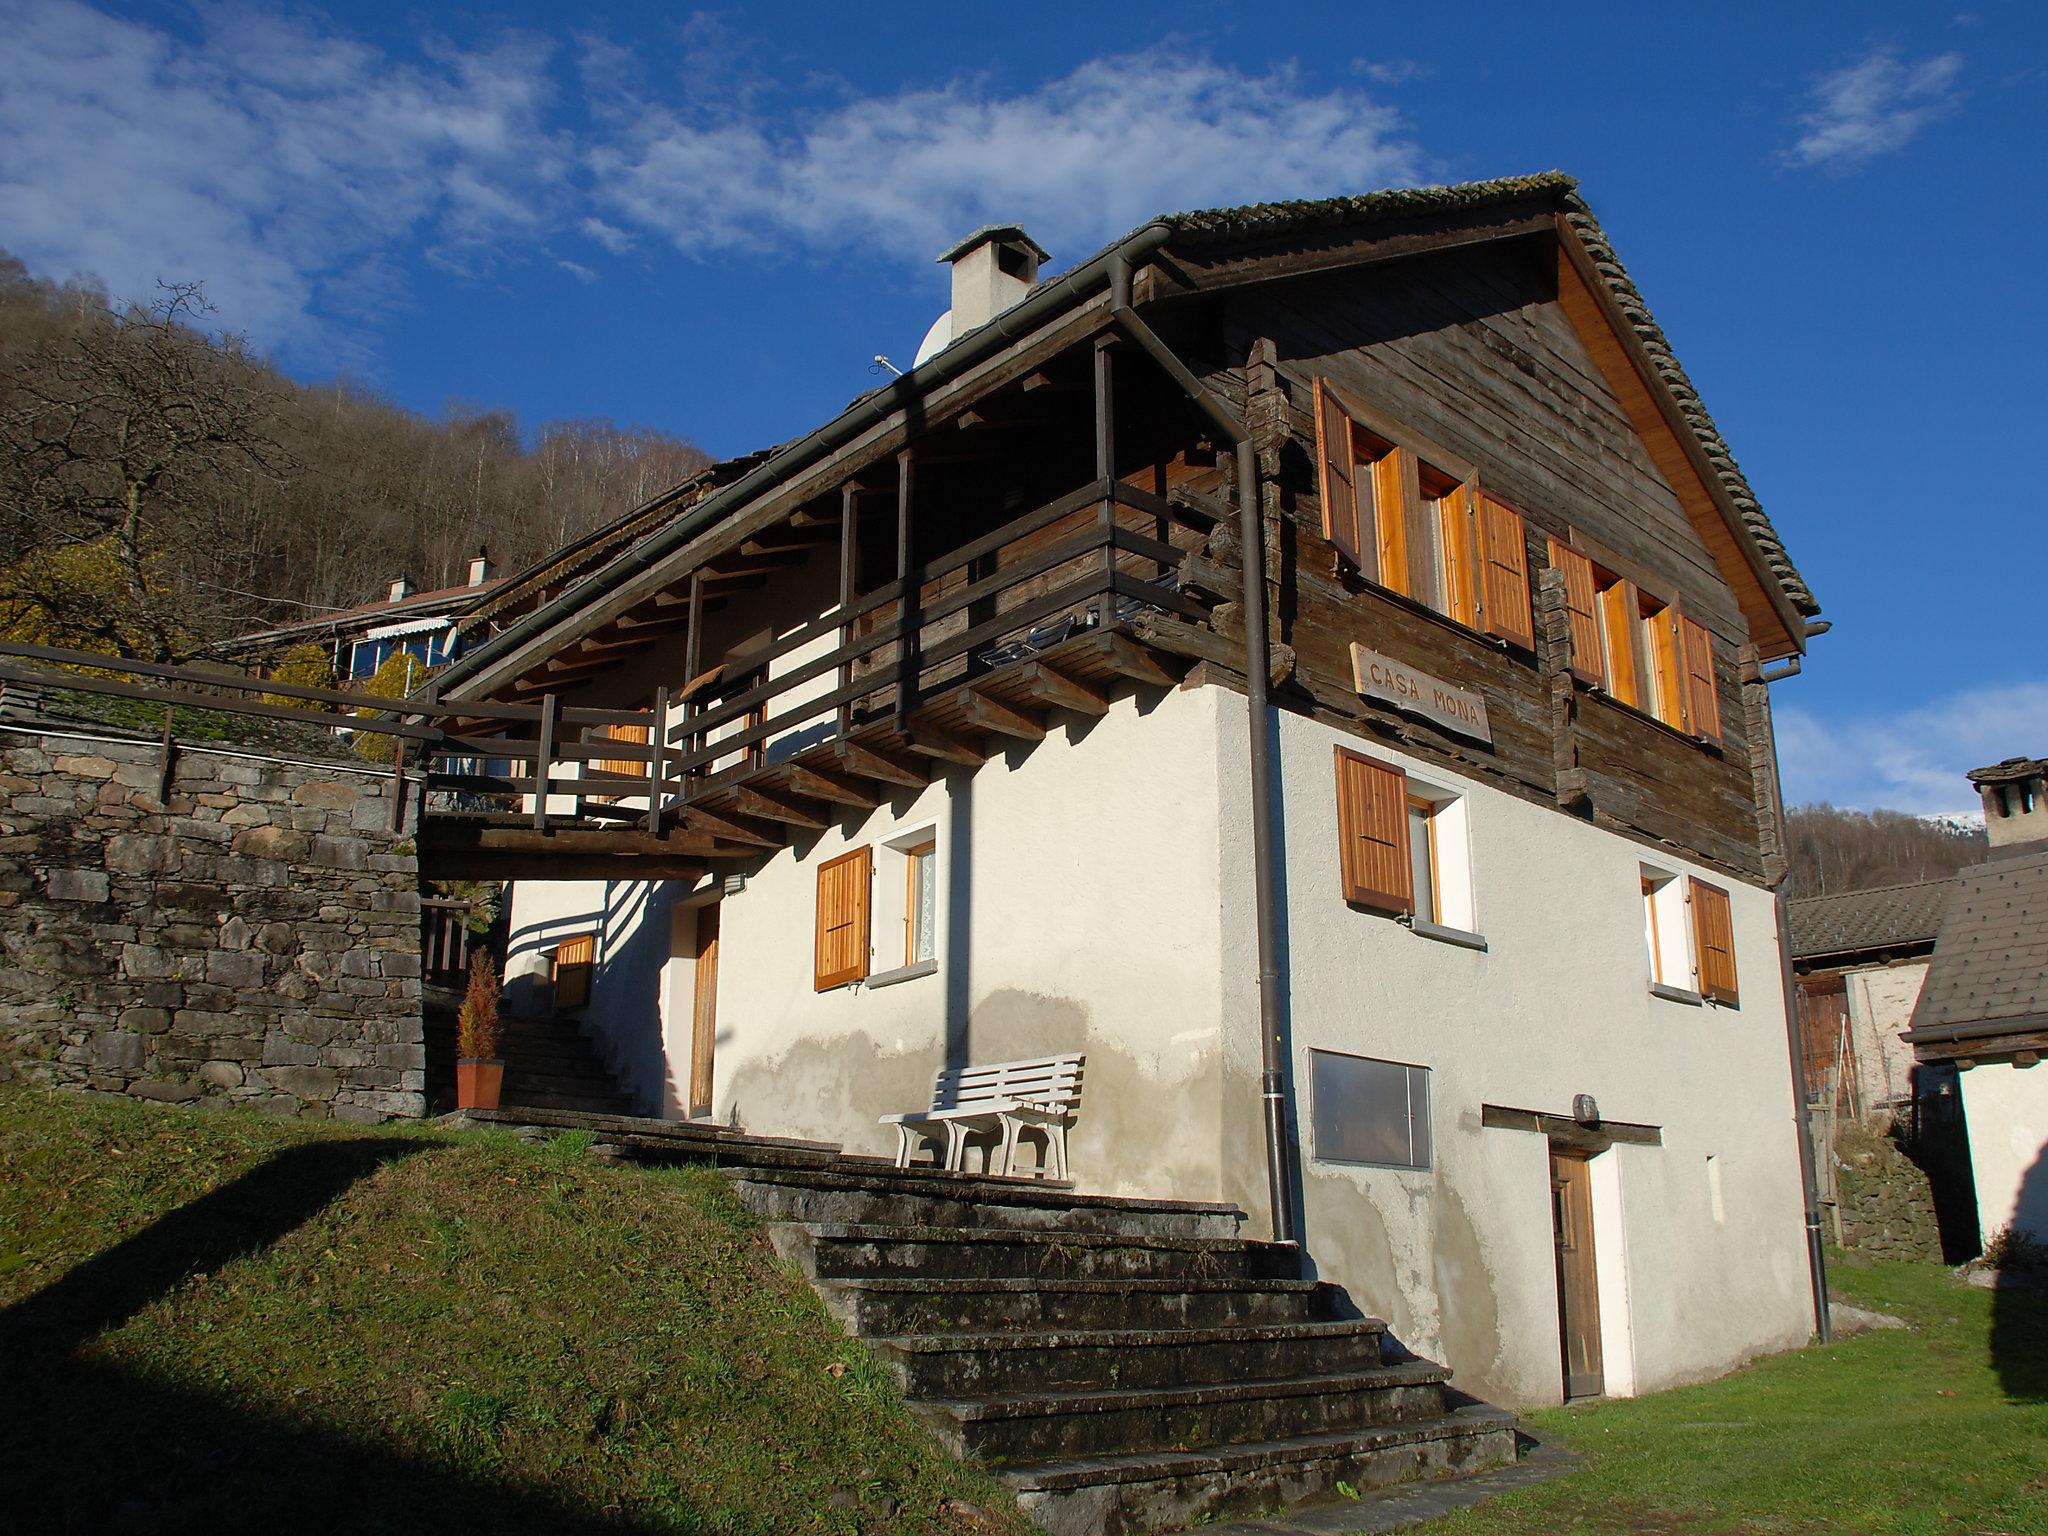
x,y
1476,457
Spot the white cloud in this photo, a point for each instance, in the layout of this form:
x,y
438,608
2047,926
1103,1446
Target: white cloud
x,y
1079,159
278,163
1913,760
1391,71
576,269
1874,106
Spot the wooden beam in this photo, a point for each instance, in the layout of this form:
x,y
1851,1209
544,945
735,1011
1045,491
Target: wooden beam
x,y
748,563
734,829
1051,686
830,786
944,745
1124,656
787,808
487,864
1002,719
880,766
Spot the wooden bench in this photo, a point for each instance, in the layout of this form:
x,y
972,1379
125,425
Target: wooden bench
x,y
1008,1097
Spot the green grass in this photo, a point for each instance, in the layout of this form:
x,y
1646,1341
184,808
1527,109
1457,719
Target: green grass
x,y
1943,1429
216,1321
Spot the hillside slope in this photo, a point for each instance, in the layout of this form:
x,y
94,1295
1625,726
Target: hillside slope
x,y
221,1322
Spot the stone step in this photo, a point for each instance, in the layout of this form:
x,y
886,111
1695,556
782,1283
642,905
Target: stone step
x,y
924,1197
588,1084
836,1251
595,1101
1029,1427
1167,1490
1125,1359
911,1306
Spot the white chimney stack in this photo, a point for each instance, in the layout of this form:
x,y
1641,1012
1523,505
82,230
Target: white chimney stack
x,y
401,588
993,269
480,567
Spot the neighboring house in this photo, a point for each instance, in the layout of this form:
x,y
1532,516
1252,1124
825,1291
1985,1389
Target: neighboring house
x,y
1861,957
1404,871
423,625
1983,1012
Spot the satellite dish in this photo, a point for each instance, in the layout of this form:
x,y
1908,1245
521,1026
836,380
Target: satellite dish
x,y
937,339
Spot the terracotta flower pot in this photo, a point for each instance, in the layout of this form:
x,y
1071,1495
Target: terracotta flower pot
x,y
477,1083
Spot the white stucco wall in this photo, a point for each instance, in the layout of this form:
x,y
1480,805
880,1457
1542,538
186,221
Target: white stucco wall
x,y
1880,1009
1459,1258
2006,1109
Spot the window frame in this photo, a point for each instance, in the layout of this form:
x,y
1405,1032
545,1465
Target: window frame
x,y
1420,1127
917,858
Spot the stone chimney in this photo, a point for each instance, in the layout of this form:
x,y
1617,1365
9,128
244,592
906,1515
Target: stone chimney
x,y
401,589
993,268
2015,800
480,567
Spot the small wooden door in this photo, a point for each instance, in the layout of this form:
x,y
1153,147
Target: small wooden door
x,y
704,1022
1578,1285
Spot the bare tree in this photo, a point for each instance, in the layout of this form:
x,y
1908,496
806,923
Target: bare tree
x,y
1833,850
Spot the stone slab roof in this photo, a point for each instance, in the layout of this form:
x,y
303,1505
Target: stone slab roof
x,y
1267,220
1883,918
1990,965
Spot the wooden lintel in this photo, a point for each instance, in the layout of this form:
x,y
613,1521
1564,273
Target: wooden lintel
x,y
785,808
486,864
444,837
1051,686
1002,719
736,829
1124,655
830,786
880,766
944,745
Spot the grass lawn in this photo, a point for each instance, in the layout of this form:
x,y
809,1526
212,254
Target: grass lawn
x,y
219,1322
1941,1429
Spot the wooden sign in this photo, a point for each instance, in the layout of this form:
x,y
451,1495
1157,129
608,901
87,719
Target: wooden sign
x,y
1458,710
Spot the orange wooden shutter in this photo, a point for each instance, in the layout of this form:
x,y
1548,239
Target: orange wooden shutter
x,y
573,960
1459,512
842,942
1620,617
1713,941
1589,654
1505,544
1702,692
1394,492
1339,474
1372,826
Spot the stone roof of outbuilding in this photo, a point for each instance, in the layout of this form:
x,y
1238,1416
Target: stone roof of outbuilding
x,y
1266,220
1882,918
1990,964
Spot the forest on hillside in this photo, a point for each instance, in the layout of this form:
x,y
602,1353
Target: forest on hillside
x,y
163,486
1832,850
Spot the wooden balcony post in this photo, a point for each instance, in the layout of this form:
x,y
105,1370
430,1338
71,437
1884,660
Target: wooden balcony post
x,y
543,763
848,561
693,660
907,598
657,778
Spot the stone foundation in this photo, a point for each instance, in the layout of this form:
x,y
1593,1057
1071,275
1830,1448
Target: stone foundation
x,y
254,940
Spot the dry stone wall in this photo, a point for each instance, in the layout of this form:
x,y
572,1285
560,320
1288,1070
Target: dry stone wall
x,y
1884,1200
254,939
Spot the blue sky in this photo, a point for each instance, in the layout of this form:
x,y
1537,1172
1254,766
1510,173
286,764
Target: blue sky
x,y
710,222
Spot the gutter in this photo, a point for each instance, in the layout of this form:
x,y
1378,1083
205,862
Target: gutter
x,y
1043,304
1989,1029
1251,532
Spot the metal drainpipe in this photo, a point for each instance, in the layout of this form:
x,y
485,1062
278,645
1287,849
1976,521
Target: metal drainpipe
x,y
1257,668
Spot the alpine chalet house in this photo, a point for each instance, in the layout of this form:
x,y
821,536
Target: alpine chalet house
x,y
1307,661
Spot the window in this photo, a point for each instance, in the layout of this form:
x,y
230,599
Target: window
x,y
1690,933
1401,844
920,902
1664,930
573,959
841,947
1404,521
1367,1111
1642,650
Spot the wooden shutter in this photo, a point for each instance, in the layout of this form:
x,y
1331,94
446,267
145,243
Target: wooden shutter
x,y
1620,618
1713,941
640,735
1372,828
1339,484
1589,652
1458,513
1394,493
842,941
1702,692
1504,543
1665,650
573,960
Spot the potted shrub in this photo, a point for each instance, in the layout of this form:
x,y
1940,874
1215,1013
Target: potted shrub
x,y
479,1069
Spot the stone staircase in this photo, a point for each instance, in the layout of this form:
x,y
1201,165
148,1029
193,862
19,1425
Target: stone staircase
x,y
1124,1365
549,1064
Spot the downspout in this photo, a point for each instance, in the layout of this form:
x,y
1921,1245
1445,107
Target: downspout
x,y
1257,668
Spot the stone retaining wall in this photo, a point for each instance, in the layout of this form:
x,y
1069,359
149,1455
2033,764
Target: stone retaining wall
x,y
254,941
1884,1199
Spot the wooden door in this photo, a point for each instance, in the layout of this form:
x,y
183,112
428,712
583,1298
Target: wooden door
x,y
704,1022
1578,1286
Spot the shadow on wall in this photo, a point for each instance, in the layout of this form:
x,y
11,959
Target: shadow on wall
x,y
91,1447
529,994
957,960
2019,1318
